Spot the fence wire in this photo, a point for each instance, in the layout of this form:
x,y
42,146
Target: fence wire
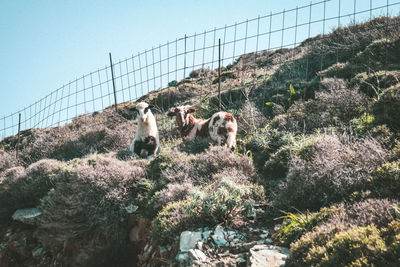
x,y
166,64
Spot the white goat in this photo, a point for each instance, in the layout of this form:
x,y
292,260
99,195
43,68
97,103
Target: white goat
x,y
147,141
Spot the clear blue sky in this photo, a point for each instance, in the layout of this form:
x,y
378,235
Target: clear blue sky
x,y
47,43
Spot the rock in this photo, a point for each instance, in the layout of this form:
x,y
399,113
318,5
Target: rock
x,y
268,256
188,240
197,255
206,234
182,257
219,237
199,245
26,215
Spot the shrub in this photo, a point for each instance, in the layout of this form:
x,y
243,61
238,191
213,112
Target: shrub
x,y
329,108
358,246
349,235
6,161
385,181
374,83
224,201
98,132
387,107
379,55
85,212
25,188
294,225
250,118
328,170
264,143
172,193
175,166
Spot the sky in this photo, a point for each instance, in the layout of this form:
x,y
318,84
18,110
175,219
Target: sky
x,y
47,43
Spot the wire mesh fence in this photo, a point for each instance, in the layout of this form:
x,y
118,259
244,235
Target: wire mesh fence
x,y
164,65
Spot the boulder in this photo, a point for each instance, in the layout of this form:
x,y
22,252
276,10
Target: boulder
x,y
268,256
27,216
188,240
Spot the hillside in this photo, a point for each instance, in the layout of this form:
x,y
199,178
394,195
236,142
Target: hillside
x,y
314,180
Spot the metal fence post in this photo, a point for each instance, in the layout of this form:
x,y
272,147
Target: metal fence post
x,y
19,129
219,74
112,77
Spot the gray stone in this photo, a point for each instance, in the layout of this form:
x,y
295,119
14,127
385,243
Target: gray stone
x,y
199,245
188,240
206,234
268,256
197,255
27,216
182,257
219,237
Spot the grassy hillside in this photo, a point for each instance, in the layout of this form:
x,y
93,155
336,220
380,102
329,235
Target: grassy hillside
x,y
317,163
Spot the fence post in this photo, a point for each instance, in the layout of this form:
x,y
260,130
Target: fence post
x,y
112,76
219,74
19,129
184,62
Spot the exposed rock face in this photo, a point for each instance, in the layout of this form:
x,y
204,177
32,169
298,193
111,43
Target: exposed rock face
x,y
268,256
217,246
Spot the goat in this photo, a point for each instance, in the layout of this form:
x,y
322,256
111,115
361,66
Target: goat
x,y
146,143
220,127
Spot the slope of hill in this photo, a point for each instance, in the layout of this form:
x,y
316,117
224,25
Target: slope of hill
x,y
316,169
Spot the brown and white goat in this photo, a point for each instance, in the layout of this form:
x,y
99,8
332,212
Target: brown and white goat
x,y
221,127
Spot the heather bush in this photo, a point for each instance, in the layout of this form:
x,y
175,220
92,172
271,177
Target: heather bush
x,y
328,170
264,143
250,118
348,235
374,83
98,132
175,166
173,192
224,201
387,108
6,161
385,181
329,108
382,54
199,73
25,188
85,212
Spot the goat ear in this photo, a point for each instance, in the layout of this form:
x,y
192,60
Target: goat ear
x,y
171,112
133,109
